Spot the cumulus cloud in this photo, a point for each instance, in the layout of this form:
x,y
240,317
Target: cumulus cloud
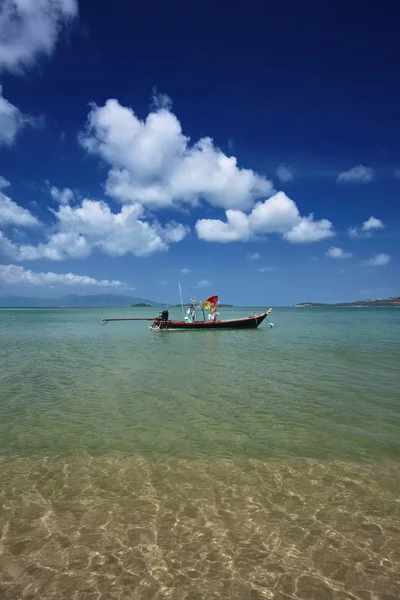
x,y
90,226
185,271
359,174
335,252
372,223
367,228
63,196
278,214
153,163
13,214
284,174
253,256
4,183
235,229
11,120
15,274
172,232
379,260
59,246
30,28
307,230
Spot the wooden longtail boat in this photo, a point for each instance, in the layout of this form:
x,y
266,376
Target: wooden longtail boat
x,y
163,323
190,321
251,322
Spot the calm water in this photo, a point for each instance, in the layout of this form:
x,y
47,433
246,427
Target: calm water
x,y
177,465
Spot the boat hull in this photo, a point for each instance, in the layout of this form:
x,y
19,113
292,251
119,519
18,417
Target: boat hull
x,y
251,322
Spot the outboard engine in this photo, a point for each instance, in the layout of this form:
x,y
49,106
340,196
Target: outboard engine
x,y
164,316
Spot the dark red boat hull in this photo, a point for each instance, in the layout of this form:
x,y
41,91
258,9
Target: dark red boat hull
x,y
251,322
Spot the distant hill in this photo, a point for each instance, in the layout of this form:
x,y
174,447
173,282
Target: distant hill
x,y
394,301
90,301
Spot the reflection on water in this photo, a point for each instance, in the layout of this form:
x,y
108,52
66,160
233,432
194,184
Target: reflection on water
x,y
165,528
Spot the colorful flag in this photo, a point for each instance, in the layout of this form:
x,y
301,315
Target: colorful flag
x,y
212,300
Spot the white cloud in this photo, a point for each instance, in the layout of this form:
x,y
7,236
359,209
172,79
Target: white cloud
x,y
4,183
63,196
379,260
185,271
254,256
59,246
266,269
284,174
203,283
116,233
354,232
153,163
335,252
372,223
359,174
11,120
6,246
13,214
92,226
235,229
160,100
367,228
172,232
30,28
14,274
279,214
397,173
307,230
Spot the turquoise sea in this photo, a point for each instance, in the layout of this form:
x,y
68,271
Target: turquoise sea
x,y
200,465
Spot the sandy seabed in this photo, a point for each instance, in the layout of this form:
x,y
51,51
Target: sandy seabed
x,y
156,528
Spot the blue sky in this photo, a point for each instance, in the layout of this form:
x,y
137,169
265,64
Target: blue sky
x,y
245,150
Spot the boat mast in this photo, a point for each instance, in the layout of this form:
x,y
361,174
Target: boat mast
x,y
180,293
202,309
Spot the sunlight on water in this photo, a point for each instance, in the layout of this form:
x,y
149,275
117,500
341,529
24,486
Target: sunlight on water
x,y
198,529
259,464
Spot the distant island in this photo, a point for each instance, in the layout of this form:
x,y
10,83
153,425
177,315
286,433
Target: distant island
x,y
77,301
394,301
141,304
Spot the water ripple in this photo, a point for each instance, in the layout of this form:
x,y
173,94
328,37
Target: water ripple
x,y
167,528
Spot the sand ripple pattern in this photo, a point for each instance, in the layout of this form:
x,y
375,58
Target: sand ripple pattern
x,y
169,529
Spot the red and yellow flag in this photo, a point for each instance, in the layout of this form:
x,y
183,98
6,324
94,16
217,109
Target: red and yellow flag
x,y
211,302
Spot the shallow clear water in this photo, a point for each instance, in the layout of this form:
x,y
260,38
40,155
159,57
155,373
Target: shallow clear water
x,y
225,464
